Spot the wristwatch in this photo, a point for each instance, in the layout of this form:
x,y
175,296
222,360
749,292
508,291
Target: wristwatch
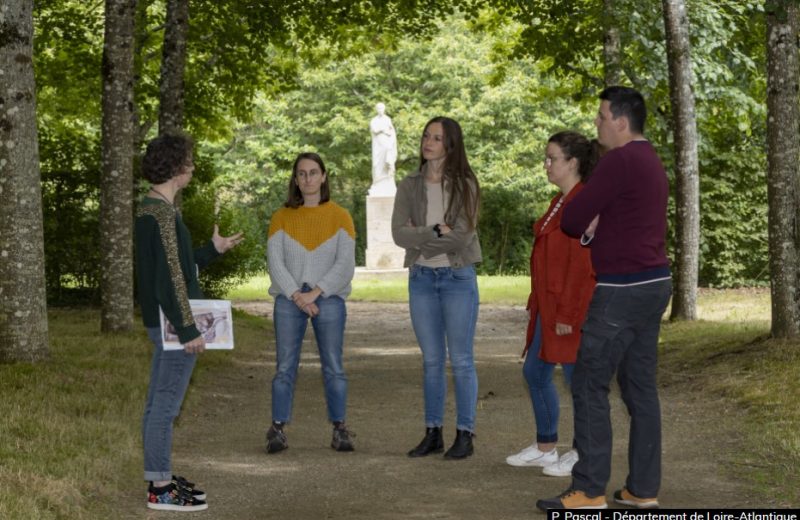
x,y
438,231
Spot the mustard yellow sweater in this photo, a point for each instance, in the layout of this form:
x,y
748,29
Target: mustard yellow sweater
x,y
314,246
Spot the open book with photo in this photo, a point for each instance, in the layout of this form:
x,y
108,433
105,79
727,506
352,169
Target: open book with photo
x,y
213,319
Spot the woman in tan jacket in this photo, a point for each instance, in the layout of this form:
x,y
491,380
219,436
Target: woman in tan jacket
x,y
435,219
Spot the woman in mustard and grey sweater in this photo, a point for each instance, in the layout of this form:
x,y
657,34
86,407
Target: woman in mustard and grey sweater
x,y
311,254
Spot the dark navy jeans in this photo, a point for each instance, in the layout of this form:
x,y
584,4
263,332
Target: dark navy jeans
x,y
620,336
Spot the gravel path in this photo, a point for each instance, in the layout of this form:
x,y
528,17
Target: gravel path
x,y
310,481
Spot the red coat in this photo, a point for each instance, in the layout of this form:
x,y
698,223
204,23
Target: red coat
x,y
562,283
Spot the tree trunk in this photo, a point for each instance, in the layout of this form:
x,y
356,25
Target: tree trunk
x,y
612,47
687,177
23,302
173,65
782,164
116,204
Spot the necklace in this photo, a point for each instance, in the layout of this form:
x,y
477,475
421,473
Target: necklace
x,y
161,195
553,212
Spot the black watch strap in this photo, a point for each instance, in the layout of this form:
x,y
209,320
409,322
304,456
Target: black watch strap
x,y
438,230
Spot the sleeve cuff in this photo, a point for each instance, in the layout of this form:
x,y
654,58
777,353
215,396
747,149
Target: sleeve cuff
x,y
187,334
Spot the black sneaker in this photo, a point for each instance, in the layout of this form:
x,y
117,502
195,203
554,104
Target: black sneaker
x,y
184,484
173,498
276,439
188,486
342,439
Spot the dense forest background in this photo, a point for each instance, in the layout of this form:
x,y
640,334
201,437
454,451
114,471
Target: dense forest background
x,y
511,77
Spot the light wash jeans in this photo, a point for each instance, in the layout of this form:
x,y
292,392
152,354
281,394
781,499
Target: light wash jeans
x,y
444,309
170,372
290,327
544,395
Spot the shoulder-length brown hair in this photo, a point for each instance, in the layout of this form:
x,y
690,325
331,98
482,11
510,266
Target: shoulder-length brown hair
x,y
459,179
295,197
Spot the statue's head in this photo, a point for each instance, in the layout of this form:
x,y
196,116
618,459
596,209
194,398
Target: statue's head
x,y
381,108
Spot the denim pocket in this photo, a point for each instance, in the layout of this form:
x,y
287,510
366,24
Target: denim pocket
x,y
464,273
602,317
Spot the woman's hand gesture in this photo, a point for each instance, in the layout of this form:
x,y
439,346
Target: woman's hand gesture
x,y
225,244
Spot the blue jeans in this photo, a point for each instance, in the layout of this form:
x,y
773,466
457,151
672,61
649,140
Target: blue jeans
x,y
544,396
444,309
620,335
170,372
290,328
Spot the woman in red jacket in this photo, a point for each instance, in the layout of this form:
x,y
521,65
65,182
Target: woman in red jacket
x,y
562,282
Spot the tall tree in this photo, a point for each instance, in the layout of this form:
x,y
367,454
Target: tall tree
x,y
23,307
173,67
782,164
687,177
612,45
116,203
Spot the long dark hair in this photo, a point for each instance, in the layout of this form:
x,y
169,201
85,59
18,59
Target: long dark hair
x,y
576,146
457,175
295,196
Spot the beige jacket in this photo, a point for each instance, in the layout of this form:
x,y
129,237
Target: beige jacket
x,y
461,245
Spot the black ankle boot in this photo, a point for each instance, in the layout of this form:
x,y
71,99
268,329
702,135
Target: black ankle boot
x,y
431,443
462,446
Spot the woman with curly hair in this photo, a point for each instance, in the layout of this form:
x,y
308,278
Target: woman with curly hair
x,y
166,269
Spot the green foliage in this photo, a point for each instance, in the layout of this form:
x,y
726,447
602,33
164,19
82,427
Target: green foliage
x,y
266,83
727,39
506,123
68,49
566,35
238,264
239,48
235,49
70,204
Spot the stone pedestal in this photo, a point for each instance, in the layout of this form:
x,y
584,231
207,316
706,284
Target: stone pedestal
x,y
382,253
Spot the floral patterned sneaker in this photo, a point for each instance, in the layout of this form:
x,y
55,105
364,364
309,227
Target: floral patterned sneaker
x,y
173,498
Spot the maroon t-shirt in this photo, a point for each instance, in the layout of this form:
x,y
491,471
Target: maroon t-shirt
x,y
628,189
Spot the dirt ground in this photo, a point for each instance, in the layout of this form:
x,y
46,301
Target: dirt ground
x,y
222,443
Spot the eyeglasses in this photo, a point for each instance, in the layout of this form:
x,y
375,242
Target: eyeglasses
x,y
548,161
313,174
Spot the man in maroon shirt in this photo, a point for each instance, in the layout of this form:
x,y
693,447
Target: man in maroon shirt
x,y
622,212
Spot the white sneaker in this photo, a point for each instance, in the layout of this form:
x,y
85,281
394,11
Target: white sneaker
x,y
531,456
562,467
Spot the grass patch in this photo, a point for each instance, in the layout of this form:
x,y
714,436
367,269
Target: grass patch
x,y
506,290
736,360
255,289
67,438
70,437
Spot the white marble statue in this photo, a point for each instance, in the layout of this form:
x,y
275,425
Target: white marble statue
x,y
384,153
